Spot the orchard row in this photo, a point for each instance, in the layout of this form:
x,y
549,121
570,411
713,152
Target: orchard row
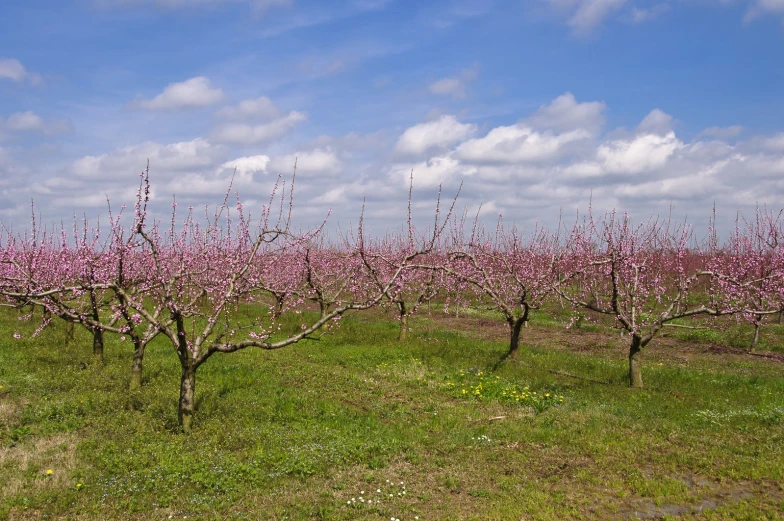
x,y
184,278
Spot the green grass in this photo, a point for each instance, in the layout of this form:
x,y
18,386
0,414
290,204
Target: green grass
x,y
315,431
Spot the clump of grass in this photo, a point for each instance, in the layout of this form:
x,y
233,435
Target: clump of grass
x,y
479,385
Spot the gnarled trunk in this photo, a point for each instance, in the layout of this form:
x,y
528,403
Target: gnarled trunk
x,y
187,397
635,362
137,364
69,332
514,340
97,346
401,308
757,327
97,331
515,325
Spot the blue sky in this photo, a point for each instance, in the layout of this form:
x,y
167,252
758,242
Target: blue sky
x,y
535,106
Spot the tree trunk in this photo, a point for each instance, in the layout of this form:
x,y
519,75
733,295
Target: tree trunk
x,y
515,325
514,340
97,346
187,394
635,362
97,332
69,332
757,327
137,364
401,308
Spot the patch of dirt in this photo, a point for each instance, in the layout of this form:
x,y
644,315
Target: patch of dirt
x,y
721,349
713,495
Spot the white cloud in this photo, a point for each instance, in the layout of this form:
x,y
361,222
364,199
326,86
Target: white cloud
x,y
436,134
431,173
12,69
251,109
319,161
333,196
722,132
165,160
25,121
643,153
775,143
642,14
566,113
194,92
591,13
517,143
454,86
760,7
656,122
31,122
244,134
248,165
448,86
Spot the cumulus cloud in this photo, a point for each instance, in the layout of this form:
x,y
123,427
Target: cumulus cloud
x,y
437,134
557,156
261,108
321,161
517,143
191,93
247,165
431,173
775,143
656,122
167,160
566,113
643,153
247,134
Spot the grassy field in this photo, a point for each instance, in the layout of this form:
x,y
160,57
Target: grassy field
x,y
361,426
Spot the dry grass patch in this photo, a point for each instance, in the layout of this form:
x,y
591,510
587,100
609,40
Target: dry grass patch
x,y
25,467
